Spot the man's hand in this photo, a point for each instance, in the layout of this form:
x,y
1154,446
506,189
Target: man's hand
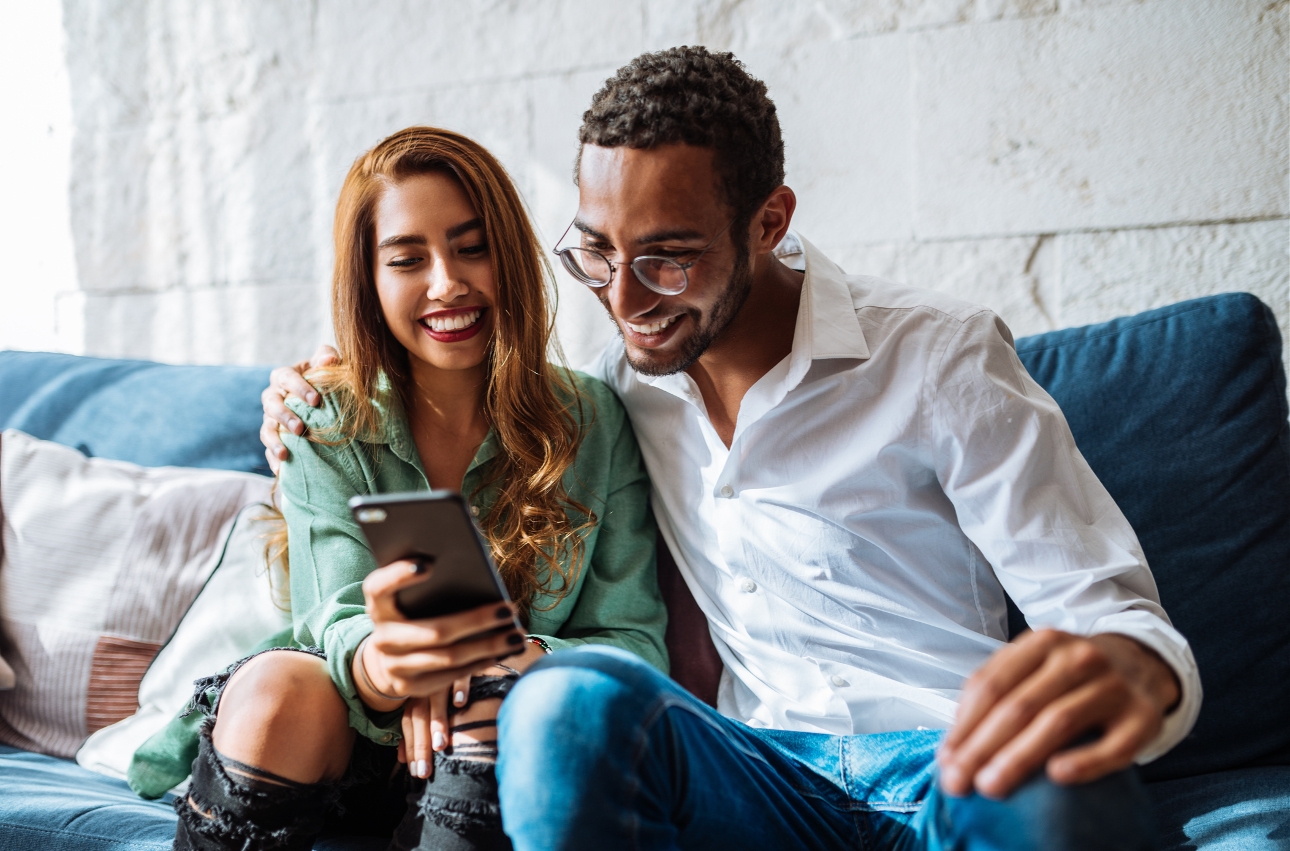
x,y
1032,698
289,381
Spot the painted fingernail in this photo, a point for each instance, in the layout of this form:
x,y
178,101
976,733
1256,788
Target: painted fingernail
x,y
514,639
422,769
459,698
436,742
418,566
504,613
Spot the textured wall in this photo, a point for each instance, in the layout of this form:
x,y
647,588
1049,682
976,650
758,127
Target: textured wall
x,y
1062,161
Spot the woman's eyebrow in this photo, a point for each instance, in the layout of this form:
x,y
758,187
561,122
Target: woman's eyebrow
x,y
401,239
465,227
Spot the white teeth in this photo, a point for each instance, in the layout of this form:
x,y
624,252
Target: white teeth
x,y
653,327
452,323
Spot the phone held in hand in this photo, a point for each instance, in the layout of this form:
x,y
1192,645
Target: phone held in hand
x,y
434,527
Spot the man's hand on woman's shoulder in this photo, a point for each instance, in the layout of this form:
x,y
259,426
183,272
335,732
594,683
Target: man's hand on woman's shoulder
x,y
283,382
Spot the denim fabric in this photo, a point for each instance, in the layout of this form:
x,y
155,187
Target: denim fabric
x,y
146,413
1181,412
600,751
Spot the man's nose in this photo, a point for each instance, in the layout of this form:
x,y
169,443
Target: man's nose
x,y
628,297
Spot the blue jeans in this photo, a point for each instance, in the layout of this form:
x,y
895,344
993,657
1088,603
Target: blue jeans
x,y
600,751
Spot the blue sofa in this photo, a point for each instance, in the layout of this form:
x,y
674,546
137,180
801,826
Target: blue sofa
x,y
1181,411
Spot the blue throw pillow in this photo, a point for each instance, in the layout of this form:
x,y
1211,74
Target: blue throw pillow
x,y
146,413
1182,413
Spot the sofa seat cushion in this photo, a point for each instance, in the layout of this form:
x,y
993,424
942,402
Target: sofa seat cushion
x,y
1243,810
52,804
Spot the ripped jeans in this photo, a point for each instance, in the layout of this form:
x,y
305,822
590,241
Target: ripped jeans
x,y
231,805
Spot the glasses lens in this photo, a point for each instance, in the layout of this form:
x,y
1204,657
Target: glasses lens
x,y
661,275
587,266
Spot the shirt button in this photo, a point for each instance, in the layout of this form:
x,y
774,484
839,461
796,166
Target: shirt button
x,y
474,511
839,682
387,737
748,585
727,491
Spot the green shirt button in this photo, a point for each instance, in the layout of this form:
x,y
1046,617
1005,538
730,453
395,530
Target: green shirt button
x,y
387,737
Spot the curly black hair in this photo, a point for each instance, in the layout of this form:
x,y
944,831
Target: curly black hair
x,y
692,96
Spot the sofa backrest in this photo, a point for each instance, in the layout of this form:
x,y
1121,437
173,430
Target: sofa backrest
x,y
1181,412
147,413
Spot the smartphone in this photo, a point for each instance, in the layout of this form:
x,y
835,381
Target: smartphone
x,y
435,527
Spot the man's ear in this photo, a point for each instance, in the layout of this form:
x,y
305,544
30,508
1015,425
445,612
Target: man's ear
x,y
772,220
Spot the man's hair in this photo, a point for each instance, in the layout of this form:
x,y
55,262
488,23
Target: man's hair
x,y
692,96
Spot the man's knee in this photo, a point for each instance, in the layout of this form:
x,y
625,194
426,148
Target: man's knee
x,y
1112,813
587,699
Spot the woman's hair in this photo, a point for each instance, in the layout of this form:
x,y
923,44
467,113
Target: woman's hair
x,y
534,409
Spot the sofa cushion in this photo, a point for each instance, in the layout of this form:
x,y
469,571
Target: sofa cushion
x,y
100,561
242,604
50,804
147,413
1182,414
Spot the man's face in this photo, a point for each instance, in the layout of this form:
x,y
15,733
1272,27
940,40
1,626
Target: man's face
x,y
663,201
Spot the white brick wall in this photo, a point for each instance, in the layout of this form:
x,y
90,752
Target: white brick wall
x,y
1062,161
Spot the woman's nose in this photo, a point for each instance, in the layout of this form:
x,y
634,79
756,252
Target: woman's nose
x,y
445,283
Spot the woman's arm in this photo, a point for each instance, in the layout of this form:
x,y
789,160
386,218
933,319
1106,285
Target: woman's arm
x,y
619,602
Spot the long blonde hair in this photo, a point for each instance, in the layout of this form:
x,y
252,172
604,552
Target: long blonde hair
x,y
529,526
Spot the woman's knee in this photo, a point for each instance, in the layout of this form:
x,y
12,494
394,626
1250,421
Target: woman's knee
x,y
282,710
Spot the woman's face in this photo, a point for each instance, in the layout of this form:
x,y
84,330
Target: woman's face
x,y
434,273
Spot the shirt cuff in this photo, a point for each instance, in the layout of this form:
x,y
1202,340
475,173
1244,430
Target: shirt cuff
x,y
340,642
1152,631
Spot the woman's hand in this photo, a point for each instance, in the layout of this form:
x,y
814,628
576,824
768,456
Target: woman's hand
x,y
402,658
283,382
426,728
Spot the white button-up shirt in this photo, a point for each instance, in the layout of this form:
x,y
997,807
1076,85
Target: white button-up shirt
x,y
886,482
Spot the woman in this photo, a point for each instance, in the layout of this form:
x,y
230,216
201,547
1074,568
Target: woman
x,y
439,305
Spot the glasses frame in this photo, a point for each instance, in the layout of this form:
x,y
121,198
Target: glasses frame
x,y
569,263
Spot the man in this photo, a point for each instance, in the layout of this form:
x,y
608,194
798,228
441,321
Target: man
x,y
850,474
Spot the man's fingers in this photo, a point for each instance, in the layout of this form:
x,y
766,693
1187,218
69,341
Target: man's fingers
x,y
324,355
1115,750
288,381
1000,674
1066,668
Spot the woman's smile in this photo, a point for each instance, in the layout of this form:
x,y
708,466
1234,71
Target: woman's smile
x,y
455,325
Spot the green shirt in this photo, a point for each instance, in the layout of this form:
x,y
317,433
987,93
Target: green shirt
x,y
614,599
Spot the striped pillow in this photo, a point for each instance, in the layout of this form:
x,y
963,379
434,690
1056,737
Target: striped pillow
x,y
100,560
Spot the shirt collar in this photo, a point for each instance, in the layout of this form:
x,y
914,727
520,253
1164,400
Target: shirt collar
x,y
826,327
397,434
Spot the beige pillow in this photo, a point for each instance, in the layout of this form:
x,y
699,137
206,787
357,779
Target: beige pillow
x,y
100,561
237,609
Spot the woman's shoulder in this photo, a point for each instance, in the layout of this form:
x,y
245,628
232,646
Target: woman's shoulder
x,y
591,399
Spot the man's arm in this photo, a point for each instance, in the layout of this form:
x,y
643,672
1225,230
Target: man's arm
x,y
1104,660
283,382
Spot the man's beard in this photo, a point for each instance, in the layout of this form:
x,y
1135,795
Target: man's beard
x,y
738,286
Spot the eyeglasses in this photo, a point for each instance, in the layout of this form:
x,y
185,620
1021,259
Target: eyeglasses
x,y
663,275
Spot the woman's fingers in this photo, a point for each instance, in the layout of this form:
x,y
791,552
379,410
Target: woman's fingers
x,y
423,718
381,585
444,665
461,692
